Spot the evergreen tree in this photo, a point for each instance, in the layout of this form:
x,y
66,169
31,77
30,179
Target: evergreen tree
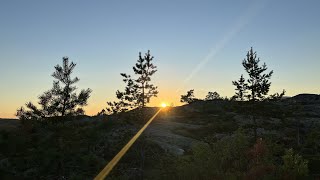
x,y
241,88
145,69
62,99
258,81
139,91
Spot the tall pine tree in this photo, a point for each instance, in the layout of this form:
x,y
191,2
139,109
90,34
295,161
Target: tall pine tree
x,y
139,90
144,68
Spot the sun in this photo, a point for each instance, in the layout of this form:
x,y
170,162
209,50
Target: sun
x,y
163,105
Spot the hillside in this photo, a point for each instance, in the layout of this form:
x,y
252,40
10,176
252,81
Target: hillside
x,y
6,124
307,98
201,140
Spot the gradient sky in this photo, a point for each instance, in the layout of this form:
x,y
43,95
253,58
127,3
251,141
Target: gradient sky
x,y
196,44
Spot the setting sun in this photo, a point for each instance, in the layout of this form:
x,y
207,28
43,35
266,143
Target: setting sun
x,y
163,105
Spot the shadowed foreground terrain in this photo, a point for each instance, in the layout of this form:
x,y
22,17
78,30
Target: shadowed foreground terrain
x,y
7,124
202,140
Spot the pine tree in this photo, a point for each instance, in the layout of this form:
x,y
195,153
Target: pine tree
x,y
145,69
62,99
258,81
258,84
241,88
139,91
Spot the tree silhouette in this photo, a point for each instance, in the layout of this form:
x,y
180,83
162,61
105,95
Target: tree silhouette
x,y
145,69
258,81
102,112
276,96
188,98
139,91
212,96
126,99
62,99
241,88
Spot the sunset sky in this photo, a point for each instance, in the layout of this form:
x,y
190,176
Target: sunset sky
x,y
197,44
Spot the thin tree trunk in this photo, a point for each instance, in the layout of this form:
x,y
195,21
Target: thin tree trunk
x,y
64,106
65,101
143,95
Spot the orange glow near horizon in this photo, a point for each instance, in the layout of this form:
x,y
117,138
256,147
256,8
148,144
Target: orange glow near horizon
x,y
98,100
163,105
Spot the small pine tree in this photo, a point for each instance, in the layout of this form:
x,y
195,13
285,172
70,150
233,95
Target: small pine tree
x,y
62,99
241,88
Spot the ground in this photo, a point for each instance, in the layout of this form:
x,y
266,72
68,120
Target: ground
x,y
175,142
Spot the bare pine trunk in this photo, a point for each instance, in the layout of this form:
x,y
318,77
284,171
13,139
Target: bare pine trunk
x,y
143,95
65,101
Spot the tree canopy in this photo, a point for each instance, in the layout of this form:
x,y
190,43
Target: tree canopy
x,y
212,96
188,98
139,90
258,80
62,99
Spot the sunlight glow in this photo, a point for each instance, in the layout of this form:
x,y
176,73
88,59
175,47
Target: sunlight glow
x,y
102,175
163,105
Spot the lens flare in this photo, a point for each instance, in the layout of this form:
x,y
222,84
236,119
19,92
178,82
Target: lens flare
x,y
106,170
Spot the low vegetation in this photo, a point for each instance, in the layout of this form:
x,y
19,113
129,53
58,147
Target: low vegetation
x,y
80,147
251,135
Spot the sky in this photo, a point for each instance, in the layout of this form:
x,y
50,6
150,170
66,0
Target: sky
x,y
196,44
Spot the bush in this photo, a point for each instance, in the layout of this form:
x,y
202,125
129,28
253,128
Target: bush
x,y
294,165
